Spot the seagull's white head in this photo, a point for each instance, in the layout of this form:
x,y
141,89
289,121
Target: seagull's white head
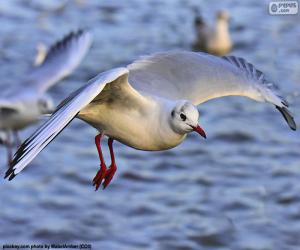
x,y
45,105
184,118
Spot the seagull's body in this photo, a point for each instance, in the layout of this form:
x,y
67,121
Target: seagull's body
x,y
22,108
215,39
20,111
145,120
149,105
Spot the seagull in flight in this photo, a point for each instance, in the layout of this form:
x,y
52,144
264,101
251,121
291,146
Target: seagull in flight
x,y
151,104
22,108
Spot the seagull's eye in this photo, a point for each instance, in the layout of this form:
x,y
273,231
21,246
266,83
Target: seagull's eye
x,y
183,116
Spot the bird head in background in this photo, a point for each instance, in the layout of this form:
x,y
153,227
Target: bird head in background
x,y
223,15
184,118
45,105
199,22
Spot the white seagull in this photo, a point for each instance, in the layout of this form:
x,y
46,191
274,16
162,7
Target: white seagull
x,y
151,104
23,107
214,40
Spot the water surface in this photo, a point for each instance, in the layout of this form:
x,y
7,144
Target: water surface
x,y
239,189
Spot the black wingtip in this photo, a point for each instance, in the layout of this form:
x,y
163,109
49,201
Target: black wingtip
x,y
13,175
10,173
287,117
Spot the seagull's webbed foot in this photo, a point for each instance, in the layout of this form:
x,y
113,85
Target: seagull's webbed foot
x,y
104,175
99,177
109,175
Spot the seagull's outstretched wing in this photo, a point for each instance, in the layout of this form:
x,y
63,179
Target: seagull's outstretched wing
x,y
61,117
61,59
200,77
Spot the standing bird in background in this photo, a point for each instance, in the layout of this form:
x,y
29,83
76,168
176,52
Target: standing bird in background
x,y
150,104
214,40
23,107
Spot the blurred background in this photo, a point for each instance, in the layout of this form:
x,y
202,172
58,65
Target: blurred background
x,y
239,189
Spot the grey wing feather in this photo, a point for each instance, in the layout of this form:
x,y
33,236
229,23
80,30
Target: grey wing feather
x,y
6,111
271,87
200,77
197,77
7,108
63,115
254,73
61,60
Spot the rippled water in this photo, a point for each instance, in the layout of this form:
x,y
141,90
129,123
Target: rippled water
x,y
239,189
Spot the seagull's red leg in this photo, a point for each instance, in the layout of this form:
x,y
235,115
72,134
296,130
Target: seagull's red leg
x,y
102,171
113,168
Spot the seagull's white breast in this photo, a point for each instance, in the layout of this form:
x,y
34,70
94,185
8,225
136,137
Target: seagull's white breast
x,y
138,127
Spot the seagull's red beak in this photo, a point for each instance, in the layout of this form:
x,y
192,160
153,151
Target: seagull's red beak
x,y
200,131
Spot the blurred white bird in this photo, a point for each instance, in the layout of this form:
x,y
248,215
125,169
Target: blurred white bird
x,y
23,107
214,40
149,105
